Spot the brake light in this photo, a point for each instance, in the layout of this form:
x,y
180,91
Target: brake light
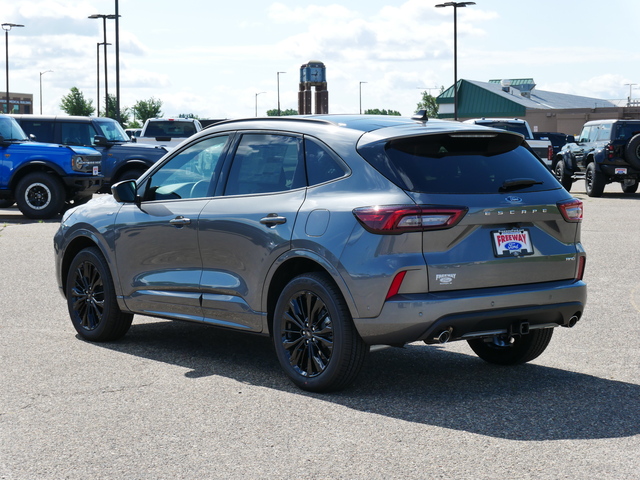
x,y
397,219
550,152
609,149
571,210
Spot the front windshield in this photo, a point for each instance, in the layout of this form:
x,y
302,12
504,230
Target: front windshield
x,y
112,130
10,130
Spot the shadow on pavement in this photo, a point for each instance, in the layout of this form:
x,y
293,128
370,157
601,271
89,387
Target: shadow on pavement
x,y
419,383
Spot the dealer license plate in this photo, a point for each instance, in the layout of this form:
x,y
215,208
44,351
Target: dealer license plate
x,y
512,243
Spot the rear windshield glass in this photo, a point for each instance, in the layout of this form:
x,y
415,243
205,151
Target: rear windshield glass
x,y
449,164
625,131
168,128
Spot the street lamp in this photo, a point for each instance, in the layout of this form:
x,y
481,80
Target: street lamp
x,y
257,102
361,97
278,74
117,64
6,27
42,73
106,75
98,75
455,6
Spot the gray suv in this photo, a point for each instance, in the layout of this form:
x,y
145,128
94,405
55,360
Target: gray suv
x,y
331,234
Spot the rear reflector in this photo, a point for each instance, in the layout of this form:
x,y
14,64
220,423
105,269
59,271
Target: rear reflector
x,y
571,210
582,261
395,285
397,219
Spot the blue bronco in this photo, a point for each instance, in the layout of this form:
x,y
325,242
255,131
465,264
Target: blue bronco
x,y
43,178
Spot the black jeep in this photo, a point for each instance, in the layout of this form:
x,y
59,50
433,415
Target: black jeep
x,y
606,151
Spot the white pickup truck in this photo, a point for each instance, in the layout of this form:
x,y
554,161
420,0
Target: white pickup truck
x,y
168,132
543,148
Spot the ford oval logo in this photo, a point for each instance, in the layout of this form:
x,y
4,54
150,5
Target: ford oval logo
x,y
513,246
513,199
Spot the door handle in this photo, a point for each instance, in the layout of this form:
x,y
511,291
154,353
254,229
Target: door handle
x,y
273,219
180,221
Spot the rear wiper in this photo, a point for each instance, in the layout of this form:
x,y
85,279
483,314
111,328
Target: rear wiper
x,y
516,183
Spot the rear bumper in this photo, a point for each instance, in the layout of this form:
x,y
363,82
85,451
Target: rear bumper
x,y
474,313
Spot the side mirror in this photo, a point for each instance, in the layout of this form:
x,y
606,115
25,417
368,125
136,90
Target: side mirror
x,y
32,137
125,192
100,140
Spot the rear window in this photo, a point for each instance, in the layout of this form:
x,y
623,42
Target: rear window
x,y
625,131
460,164
168,128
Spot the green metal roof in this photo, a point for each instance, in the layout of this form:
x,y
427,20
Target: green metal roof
x,y
474,101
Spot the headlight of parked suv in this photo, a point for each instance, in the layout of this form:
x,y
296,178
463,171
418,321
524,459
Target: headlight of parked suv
x,y
81,163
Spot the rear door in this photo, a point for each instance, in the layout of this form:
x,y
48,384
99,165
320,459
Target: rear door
x,y
245,228
512,233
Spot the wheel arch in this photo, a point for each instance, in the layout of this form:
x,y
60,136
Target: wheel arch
x,y
74,246
34,166
132,164
291,265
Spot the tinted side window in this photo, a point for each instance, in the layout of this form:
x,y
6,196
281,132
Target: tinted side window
x,y
604,132
190,174
77,133
266,163
42,130
322,165
585,134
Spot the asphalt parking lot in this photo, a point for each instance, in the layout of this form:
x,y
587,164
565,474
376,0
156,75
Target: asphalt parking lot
x,y
178,401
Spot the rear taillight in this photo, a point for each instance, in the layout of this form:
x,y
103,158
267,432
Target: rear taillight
x,y
571,210
397,219
550,153
610,151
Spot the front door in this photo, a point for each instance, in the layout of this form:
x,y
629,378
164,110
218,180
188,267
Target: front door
x,y
157,252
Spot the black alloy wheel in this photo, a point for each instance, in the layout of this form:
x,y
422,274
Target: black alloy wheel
x,y
594,181
40,195
91,299
315,339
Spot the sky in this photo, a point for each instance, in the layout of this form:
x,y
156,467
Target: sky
x,y
219,59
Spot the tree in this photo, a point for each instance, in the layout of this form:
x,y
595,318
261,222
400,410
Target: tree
x,y
429,104
377,111
274,112
145,109
75,104
111,111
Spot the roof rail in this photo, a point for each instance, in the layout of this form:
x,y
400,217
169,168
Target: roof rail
x,y
277,119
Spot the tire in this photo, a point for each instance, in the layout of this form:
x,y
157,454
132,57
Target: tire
x,y
91,299
594,181
315,339
561,174
632,151
630,188
6,202
521,349
40,195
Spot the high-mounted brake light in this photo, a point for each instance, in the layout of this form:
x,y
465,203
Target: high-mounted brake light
x,y
571,210
397,219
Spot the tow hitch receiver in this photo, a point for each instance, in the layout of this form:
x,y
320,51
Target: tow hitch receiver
x,y
519,328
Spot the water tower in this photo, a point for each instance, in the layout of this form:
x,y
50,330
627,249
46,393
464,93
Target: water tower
x,y
313,75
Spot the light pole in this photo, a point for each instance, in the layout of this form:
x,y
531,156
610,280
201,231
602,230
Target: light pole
x,y
42,73
361,97
106,74
455,6
257,102
6,27
278,75
98,76
117,64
